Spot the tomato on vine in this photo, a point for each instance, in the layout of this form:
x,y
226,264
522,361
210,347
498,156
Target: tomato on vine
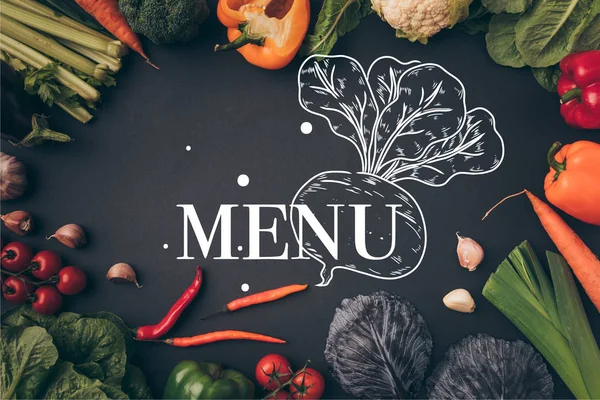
x,y
45,264
280,395
16,290
47,300
16,256
271,369
307,384
71,280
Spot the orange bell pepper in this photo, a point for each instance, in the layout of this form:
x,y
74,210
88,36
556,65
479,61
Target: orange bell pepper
x,y
268,33
573,183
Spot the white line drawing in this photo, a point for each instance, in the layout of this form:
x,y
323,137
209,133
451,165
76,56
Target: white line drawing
x,y
406,121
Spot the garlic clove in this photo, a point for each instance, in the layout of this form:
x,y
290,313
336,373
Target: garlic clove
x,y
122,273
459,300
13,180
470,253
20,222
71,235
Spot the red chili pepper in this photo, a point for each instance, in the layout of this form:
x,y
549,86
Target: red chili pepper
x,y
220,336
579,89
150,332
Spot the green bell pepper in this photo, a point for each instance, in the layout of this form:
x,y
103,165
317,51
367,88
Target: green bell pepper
x,y
191,380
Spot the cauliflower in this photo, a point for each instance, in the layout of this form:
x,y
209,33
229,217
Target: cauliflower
x,y
421,19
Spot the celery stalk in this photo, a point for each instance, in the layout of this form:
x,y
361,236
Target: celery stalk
x,y
113,48
51,48
41,9
77,112
38,60
114,64
576,326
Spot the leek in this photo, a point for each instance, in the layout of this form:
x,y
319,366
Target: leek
x,y
550,314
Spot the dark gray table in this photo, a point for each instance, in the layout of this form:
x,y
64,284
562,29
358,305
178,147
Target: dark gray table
x,y
127,170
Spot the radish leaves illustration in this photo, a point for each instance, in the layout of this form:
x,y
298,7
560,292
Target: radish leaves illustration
x,y
406,121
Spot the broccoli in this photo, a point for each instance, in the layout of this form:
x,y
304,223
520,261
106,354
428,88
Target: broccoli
x,y
165,21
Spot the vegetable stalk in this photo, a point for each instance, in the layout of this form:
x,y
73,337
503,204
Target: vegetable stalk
x,y
50,47
113,48
38,60
114,64
550,314
76,111
41,9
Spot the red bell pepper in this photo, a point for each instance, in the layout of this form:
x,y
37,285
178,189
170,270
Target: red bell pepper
x,y
579,89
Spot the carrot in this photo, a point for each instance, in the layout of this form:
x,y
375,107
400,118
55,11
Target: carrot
x,y
263,297
107,13
583,262
219,336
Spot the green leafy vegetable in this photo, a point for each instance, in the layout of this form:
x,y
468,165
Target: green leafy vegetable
x,y
500,40
89,340
550,314
336,18
69,384
27,316
134,383
27,356
547,77
70,357
508,6
590,37
549,30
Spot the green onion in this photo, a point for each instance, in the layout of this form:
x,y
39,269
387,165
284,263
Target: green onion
x,y
114,64
41,9
113,48
550,315
51,48
38,60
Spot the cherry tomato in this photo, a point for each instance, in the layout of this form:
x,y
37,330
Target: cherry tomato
x,y
16,256
47,300
45,264
309,384
16,290
281,395
272,368
72,280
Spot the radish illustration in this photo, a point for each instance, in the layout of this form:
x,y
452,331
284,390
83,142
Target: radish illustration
x,y
406,121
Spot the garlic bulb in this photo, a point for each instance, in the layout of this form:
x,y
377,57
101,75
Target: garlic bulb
x,y
460,300
470,253
13,181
